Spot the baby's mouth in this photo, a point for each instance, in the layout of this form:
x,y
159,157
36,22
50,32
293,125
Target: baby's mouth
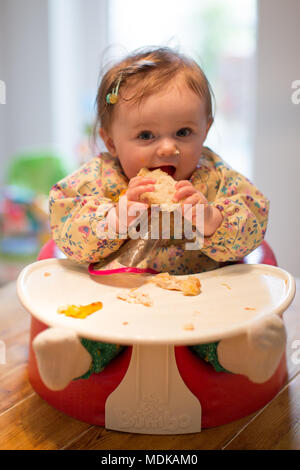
x,y
169,169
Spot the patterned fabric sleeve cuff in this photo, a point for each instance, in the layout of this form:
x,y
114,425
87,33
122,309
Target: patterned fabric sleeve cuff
x,y
215,236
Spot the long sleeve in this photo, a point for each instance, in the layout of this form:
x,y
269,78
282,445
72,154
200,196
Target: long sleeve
x,y
244,209
81,201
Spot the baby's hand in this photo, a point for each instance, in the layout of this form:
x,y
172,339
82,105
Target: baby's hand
x,y
185,190
137,186
212,216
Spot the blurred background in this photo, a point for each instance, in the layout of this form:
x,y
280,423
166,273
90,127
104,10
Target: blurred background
x,y
51,55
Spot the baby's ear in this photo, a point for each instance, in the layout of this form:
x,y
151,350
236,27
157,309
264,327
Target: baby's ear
x,y
109,143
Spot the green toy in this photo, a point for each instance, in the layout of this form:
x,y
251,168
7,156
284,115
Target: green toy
x,y
37,171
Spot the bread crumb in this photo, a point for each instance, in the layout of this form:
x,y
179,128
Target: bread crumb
x,y
47,274
226,285
250,308
135,297
191,286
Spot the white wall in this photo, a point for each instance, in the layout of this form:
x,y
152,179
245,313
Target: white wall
x,y
25,118
50,50
78,36
277,147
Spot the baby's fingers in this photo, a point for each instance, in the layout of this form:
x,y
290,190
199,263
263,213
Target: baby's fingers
x,y
181,183
133,194
192,200
184,192
140,180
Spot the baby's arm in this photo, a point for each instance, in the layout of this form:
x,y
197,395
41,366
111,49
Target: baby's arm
x,y
243,207
77,204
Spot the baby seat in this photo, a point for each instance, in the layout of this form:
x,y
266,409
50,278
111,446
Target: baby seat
x,y
224,397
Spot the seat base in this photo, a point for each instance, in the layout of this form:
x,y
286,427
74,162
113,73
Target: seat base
x,y
224,397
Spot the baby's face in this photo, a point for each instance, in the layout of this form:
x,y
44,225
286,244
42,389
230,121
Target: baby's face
x,y
165,130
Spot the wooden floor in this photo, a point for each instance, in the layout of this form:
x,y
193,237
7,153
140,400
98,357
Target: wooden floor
x,y
28,422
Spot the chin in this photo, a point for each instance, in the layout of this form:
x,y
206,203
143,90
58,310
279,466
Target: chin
x,y
178,177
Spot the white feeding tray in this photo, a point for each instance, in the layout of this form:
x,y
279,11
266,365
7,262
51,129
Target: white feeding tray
x,y
231,298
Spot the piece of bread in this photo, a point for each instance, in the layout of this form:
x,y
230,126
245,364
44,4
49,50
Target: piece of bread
x,y
164,189
189,286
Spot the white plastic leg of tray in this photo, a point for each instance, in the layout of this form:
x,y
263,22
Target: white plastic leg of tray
x,y
152,398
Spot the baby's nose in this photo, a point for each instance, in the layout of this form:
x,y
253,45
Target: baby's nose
x,y
167,148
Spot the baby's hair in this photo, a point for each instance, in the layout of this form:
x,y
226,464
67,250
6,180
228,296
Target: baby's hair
x,y
145,72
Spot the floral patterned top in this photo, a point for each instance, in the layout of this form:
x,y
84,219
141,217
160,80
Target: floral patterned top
x,y
81,201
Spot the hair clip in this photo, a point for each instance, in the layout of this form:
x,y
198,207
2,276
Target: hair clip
x,y
112,98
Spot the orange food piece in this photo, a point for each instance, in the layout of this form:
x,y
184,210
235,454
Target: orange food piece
x,y
189,327
80,311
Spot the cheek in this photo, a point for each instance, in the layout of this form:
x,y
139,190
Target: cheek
x,y
142,160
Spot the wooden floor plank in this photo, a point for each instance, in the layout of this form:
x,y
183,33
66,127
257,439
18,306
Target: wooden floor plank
x,y
14,387
292,324
98,438
11,310
33,424
277,426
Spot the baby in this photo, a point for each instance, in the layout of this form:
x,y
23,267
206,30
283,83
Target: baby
x,y
154,110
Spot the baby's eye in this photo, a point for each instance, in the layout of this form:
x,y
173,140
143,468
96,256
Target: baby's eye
x,y
145,135
184,132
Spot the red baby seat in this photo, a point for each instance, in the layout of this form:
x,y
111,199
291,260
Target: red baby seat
x,y
224,397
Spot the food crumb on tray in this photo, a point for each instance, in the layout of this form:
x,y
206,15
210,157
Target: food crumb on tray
x,y
136,297
189,327
189,286
226,285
